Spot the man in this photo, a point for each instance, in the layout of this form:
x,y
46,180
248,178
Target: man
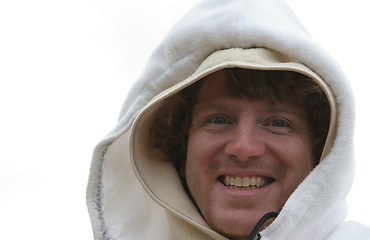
x,y
240,127
249,138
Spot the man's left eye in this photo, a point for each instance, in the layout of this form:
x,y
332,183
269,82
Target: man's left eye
x,y
219,120
279,123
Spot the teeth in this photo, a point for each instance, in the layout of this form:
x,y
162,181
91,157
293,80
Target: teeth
x,y
252,181
245,183
238,181
258,182
227,181
232,181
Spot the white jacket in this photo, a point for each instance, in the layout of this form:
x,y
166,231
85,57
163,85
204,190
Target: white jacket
x,y
134,194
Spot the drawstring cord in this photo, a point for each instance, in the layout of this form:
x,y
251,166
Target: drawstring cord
x,y
254,235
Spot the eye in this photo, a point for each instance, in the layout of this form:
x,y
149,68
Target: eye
x,y
278,123
219,120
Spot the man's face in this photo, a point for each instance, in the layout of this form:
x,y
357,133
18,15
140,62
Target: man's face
x,y
244,158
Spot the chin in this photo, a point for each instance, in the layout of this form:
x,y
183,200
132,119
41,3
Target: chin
x,y
233,228
234,234
236,227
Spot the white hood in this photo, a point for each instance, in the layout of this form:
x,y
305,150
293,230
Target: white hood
x,y
121,205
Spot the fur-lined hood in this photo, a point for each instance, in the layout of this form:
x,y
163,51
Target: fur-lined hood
x,y
133,194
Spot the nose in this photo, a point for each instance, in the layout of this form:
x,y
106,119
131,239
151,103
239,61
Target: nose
x,y
245,142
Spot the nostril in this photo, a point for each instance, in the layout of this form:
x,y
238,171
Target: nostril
x,y
244,150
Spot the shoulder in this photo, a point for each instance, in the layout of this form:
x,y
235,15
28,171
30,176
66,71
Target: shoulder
x,y
351,230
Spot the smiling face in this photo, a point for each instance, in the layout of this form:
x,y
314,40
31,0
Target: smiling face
x,y
244,157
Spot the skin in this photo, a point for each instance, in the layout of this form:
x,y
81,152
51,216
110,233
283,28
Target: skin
x,y
246,138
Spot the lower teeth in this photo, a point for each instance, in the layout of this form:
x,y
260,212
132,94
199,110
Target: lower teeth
x,y
243,188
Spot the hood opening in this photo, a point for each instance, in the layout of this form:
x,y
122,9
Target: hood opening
x,y
159,177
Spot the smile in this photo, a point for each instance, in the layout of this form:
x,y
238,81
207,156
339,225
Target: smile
x,y
245,183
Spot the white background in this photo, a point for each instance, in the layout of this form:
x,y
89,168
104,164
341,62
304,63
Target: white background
x,y
65,67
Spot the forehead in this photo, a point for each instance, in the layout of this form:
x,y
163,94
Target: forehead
x,y
214,86
215,91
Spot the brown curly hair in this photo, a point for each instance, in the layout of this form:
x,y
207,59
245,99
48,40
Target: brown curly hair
x,y
169,130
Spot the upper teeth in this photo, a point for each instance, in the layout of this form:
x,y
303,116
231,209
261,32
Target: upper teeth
x,y
244,182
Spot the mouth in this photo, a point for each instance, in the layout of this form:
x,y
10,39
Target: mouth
x,y
245,183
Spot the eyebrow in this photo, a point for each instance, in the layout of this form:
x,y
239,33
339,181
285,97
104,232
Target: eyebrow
x,y
291,110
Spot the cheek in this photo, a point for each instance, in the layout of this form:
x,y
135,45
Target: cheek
x,y
193,158
298,161
203,150
193,170
297,158
199,161
196,154
295,152
305,158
